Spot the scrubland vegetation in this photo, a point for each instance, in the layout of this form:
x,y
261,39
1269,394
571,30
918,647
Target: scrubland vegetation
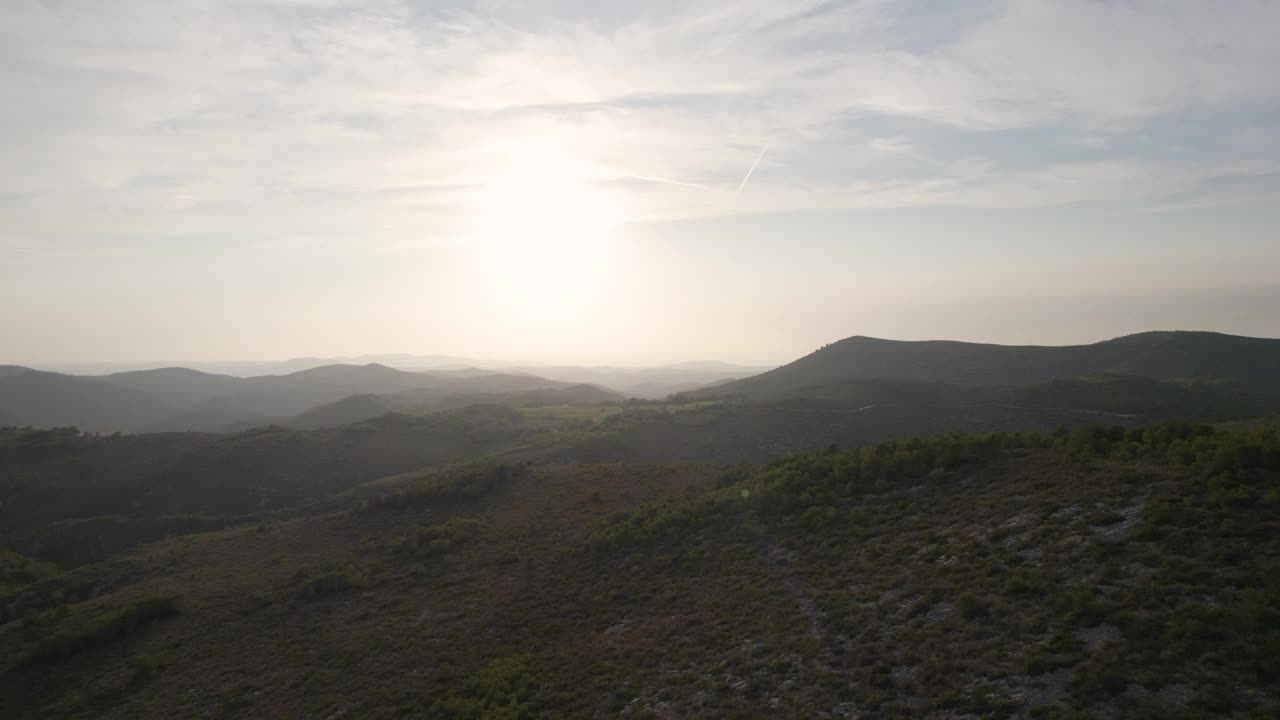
x,y
802,545
1088,572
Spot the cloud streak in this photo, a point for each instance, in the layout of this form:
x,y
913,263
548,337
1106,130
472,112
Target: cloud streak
x,y
376,121
751,170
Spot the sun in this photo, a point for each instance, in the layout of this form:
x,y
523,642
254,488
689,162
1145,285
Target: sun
x,y
546,226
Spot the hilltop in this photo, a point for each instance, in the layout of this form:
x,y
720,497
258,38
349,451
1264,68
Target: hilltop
x,y
482,390
181,399
958,539
1151,376
1167,356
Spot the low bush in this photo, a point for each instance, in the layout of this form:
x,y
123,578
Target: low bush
x,y
449,488
328,581
88,633
436,540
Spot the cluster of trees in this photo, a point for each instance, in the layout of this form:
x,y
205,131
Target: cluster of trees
x,y
832,478
509,688
449,488
91,632
665,519
813,485
1180,443
26,444
18,570
818,479
330,580
436,540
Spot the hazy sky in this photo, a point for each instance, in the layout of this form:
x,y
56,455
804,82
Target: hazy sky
x,y
568,181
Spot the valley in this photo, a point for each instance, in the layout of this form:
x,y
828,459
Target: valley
x,y
716,360
796,544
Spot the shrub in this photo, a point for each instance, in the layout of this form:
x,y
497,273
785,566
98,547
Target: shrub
x,y
1105,674
18,570
509,688
329,581
1055,711
88,633
449,488
970,605
436,540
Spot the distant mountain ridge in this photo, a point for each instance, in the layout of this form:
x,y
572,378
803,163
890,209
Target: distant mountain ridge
x,y
357,408
184,399
47,399
1168,356
1210,376
181,399
254,368
655,382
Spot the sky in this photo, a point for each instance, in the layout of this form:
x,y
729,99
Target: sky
x,y
630,183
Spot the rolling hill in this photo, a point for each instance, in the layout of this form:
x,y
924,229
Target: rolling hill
x,y
176,385
643,382
72,498
790,547
46,399
1169,356
181,399
537,392
270,396
1099,573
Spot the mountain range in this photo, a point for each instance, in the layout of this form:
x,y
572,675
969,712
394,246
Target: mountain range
x,y
182,399
880,529
1158,374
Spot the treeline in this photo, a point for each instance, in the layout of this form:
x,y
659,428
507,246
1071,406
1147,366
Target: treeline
x,y
1179,443
18,570
83,541
436,540
25,443
814,486
823,478
86,633
448,488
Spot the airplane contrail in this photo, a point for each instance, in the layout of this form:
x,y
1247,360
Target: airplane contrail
x,y
752,170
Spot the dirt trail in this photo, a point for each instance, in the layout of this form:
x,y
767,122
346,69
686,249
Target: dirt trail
x,y
780,561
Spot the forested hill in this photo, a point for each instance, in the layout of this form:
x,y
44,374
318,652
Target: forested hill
x,y
181,399
1103,572
1170,356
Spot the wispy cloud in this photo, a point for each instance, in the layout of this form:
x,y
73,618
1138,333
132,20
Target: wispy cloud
x,y
751,170
377,120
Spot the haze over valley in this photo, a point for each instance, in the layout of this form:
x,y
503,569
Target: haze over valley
x,y
482,360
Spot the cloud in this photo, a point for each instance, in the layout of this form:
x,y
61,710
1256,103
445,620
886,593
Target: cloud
x,y
256,123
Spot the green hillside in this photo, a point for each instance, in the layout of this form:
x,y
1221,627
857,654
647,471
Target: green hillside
x,y
74,498
1101,572
879,530
531,392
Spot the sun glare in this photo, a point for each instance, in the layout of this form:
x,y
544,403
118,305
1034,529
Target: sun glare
x,y
545,227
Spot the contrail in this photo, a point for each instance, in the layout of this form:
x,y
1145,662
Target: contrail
x,y
753,169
